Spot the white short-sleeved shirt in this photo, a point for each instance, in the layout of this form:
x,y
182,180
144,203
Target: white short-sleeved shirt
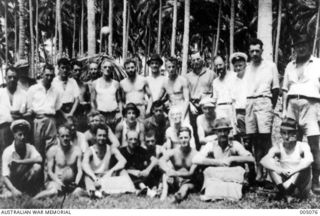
x,y
262,79
10,153
239,91
304,81
69,90
18,103
41,101
213,150
222,89
155,85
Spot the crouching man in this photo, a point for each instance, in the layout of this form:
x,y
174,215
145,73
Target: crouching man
x,y
180,173
21,169
224,159
289,164
64,166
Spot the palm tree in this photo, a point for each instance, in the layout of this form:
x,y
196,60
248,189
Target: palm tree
x,y
232,13
37,32
185,37
265,27
124,28
316,31
101,25
159,27
21,30
110,27
6,29
31,39
218,29
74,31
91,27
276,57
82,29
174,27
59,24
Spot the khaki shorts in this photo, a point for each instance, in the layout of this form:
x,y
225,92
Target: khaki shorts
x,y
259,115
305,112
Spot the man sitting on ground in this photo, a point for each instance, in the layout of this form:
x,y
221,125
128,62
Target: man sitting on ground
x,y
289,164
64,165
21,163
180,174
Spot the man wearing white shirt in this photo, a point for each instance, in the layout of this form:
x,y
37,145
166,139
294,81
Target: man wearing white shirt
x,y
69,88
43,101
12,106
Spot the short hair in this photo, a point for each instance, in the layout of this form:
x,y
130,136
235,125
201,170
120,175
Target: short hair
x,y
10,68
63,61
128,61
65,126
77,63
150,133
93,62
172,59
184,129
157,103
102,127
219,56
47,67
256,41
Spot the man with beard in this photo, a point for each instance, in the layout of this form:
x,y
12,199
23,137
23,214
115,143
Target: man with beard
x,y
176,87
301,98
43,102
262,96
93,71
289,163
12,106
155,81
135,88
158,122
70,91
95,119
21,163
180,174
64,165
77,138
222,92
105,95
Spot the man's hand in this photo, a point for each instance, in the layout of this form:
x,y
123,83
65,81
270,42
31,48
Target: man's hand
x,y
16,192
226,161
144,173
193,109
171,173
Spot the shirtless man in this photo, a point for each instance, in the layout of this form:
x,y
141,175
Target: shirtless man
x,y
105,95
182,172
176,87
135,88
64,165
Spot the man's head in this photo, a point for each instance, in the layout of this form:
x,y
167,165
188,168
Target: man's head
x,y
239,61
175,115
130,67
94,120
288,131
76,70
219,65
184,135
208,106
93,70
172,67
197,61
101,134
222,127
106,68
302,44
150,139
48,74
158,110
71,123
133,139
64,135
20,128
22,67
11,78
131,112
155,63
64,68
255,50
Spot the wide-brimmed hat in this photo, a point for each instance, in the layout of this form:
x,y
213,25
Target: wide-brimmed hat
x,y
155,57
131,106
301,38
238,56
21,123
289,124
222,123
207,102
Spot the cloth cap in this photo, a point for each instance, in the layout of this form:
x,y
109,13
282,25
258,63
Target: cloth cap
x,y
20,123
222,123
155,57
207,102
131,106
237,56
289,124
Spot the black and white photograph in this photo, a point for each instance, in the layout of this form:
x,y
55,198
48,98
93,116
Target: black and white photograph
x,y
159,104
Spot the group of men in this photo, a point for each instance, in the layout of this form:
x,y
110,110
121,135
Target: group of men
x,y
208,130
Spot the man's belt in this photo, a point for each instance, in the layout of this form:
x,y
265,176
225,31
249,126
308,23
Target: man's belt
x,y
40,116
258,96
225,103
108,112
302,97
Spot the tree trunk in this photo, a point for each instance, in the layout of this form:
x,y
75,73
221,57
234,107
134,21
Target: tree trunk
x,y
218,29
276,54
21,31
37,33
59,23
124,25
6,29
56,36
82,30
316,31
110,27
31,39
91,27
265,27
231,36
101,25
159,27
174,27
74,31
186,37
16,31
128,26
